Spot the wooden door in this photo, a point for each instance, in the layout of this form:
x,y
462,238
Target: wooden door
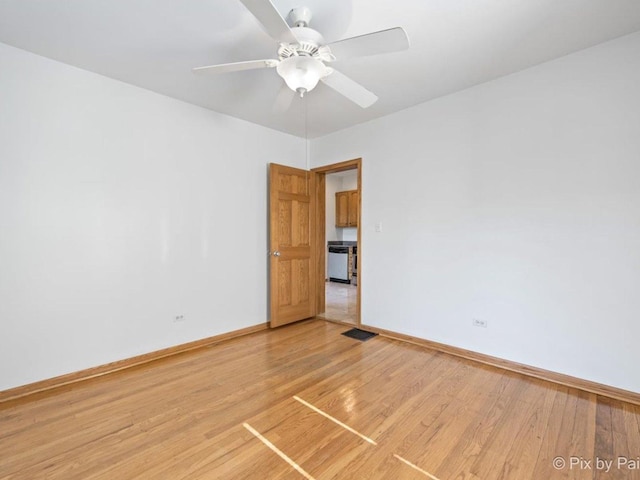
x,y
292,228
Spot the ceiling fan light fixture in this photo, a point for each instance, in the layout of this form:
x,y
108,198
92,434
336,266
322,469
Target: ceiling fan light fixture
x,y
303,54
301,73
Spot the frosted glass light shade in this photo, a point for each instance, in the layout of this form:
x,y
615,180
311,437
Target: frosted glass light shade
x,y
301,72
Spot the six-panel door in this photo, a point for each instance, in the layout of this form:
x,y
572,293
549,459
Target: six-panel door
x,y
291,211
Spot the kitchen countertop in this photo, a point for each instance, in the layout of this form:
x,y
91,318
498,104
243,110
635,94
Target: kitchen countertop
x,y
342,243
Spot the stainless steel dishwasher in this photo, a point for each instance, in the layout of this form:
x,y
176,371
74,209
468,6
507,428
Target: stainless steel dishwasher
x,y
338,264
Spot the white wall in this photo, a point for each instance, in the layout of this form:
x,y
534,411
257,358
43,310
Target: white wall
x,y
119,209
516,202
349,234
349,180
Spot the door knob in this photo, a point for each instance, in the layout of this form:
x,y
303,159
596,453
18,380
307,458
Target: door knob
x,y
276,253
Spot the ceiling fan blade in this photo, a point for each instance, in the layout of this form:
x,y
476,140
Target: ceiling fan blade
x,y
236,67
273,23
283,100
384,41
350,89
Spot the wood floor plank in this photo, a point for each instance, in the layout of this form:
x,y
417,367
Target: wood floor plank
x,y
570,432
618,441
453,418
182,417
467,446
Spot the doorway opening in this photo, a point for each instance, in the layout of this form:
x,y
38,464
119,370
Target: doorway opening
x,y
338,189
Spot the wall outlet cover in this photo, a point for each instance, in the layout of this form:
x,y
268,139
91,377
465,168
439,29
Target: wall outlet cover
x,y
479,323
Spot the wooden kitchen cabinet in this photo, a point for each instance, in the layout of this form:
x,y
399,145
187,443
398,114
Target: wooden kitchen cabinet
x,y
347,208
353,208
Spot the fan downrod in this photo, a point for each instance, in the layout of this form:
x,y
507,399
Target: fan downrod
x,y
299,17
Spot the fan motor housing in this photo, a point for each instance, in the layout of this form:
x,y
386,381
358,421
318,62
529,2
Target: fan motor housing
x,y
309,42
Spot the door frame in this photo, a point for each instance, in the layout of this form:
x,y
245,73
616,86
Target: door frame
x,y
320,230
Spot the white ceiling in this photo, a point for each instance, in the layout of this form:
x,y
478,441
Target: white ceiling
x,y
454,44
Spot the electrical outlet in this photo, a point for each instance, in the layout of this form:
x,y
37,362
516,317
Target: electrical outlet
x,y
476,322
178,318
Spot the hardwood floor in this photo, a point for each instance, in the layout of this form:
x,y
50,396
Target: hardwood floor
x,y
341,302
259,406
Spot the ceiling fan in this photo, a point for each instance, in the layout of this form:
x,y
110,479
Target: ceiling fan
x,y
303,55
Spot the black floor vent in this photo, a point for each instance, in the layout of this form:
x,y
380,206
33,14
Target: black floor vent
x,y
358,334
